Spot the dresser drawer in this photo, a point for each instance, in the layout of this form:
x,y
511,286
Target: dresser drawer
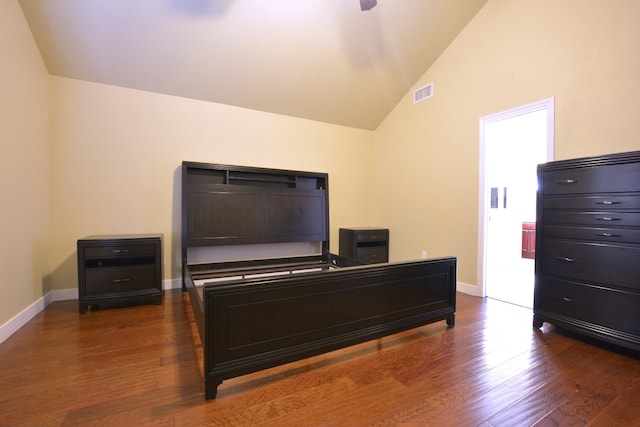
x,y
372,254
603,219
615,265
623,177
119,251
596,202
109,280
599,234
598,305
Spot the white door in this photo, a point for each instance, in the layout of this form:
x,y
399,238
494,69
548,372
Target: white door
x,y
513,143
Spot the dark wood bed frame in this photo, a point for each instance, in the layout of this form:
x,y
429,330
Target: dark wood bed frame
x,y
306,305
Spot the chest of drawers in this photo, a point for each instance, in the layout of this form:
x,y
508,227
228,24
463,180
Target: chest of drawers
x,y
119,268
588,247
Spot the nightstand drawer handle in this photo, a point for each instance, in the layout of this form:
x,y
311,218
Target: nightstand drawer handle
x,y
567,300
120,251
567,181
565,259
607,218
123,280
607,202
607,235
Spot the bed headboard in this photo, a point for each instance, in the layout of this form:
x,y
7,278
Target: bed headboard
x,y
225,205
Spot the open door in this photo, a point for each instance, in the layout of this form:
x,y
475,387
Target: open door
x,y
513,143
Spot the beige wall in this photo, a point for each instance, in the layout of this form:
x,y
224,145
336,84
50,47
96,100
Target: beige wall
x,y
586,54
24,165
116,154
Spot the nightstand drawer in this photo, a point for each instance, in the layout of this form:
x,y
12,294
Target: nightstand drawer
x,y
372,236
601,306
119,251
371,254
108,280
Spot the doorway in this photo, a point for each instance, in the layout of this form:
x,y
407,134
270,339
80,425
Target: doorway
x,y
512,144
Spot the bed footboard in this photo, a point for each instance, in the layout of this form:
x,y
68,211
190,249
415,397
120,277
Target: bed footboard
x,y
257,324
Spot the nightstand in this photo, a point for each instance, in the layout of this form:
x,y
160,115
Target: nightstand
x,y
119,268
365,244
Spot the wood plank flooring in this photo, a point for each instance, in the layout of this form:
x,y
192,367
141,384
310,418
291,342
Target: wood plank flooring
x,y
142,365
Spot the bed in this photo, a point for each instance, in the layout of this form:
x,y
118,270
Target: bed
x,y
265,289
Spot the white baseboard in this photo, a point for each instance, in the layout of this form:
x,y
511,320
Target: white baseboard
x,y
21,319
63,294
172,283
465,288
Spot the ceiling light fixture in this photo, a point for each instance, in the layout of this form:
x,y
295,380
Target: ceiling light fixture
x,y
367,4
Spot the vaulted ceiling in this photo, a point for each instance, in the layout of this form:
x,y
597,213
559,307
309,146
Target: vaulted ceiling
x,y
324,60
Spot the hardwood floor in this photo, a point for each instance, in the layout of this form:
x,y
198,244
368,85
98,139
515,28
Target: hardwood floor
x,y
142,365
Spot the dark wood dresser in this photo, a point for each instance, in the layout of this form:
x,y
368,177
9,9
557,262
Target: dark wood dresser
x,y
119,268
588,247
365,244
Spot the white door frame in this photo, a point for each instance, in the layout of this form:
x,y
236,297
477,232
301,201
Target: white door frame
x,y
483,198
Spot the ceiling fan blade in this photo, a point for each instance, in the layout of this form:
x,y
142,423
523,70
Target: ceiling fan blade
x,y
367,4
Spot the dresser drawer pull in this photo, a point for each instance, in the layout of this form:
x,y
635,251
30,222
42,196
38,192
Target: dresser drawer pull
x,y
607,218
607,202
120,251
123,280
567,181
567,300
565,259
607,235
